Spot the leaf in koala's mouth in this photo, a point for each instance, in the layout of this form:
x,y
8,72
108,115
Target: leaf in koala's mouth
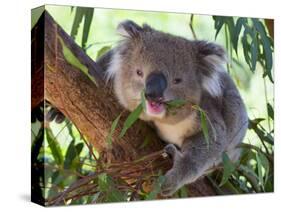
x,y
176,103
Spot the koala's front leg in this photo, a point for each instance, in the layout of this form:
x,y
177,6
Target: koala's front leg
x,y
174,177
192,161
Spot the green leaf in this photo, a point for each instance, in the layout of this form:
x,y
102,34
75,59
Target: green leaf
x,y
88,13
79,148
265,164
176,103
36,14
132,118
254,52
204,126
157,188
143,100
231,28
103,50
107,186
247,48
266,44
102,182
228,168
70,155
270,111
79,13
255,122
54,146
37,145
219,22
115,196
237,30
248,170
262,134
112,129
261,182
74,61
203,121
183,192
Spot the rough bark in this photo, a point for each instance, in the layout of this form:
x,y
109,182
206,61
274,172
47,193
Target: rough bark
x,y
93,108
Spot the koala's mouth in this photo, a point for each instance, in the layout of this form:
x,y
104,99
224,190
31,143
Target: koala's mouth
x,y
155,108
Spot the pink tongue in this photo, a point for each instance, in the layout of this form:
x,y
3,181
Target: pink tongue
x,y
155,107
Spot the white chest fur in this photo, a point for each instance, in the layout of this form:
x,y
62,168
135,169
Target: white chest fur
x,y
176,133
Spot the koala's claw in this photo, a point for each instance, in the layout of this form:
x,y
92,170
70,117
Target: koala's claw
x,y
171,150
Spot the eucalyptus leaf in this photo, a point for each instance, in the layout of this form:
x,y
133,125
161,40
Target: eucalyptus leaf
x,y
156,189
88,15
270,111
79,13
254,52
132,118
103,50
249,170
203,120
204,123
55,147
259,165
247,48
219,22
183,192
107,186
36,13
102,182
74,61
112,129
265,164
266,44
228,168
70,155
237,30
37,145
143,100
176,103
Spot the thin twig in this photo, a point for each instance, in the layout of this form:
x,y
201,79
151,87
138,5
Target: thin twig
x,y
191,27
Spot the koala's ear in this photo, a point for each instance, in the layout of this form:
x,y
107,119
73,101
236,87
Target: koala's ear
x,y
207,50
129,29
211,58
147,28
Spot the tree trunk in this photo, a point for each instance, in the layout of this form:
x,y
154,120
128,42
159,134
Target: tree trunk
x,y
91,108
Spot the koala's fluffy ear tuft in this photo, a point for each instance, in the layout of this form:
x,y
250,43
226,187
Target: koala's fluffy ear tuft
x,y
207,49
211,58
147,28
129,29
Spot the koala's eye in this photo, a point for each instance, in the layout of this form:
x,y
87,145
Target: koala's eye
x,y
139,73
177,80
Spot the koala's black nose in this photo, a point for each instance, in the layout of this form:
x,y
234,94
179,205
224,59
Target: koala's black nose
x,y
155,85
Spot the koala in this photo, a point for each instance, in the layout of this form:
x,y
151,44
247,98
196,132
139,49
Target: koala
x,y
168,67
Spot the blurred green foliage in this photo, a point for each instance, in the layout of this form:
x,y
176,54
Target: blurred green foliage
x,y
61,156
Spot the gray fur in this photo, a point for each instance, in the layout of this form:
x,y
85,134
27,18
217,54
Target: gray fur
x,y
204,82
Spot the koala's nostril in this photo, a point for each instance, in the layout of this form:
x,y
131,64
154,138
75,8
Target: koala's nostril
x,y
155,86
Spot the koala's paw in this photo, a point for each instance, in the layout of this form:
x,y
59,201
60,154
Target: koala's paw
x,y
170,185
172,151
173,177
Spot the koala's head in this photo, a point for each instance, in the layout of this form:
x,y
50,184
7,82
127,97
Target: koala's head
x,y
165,67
